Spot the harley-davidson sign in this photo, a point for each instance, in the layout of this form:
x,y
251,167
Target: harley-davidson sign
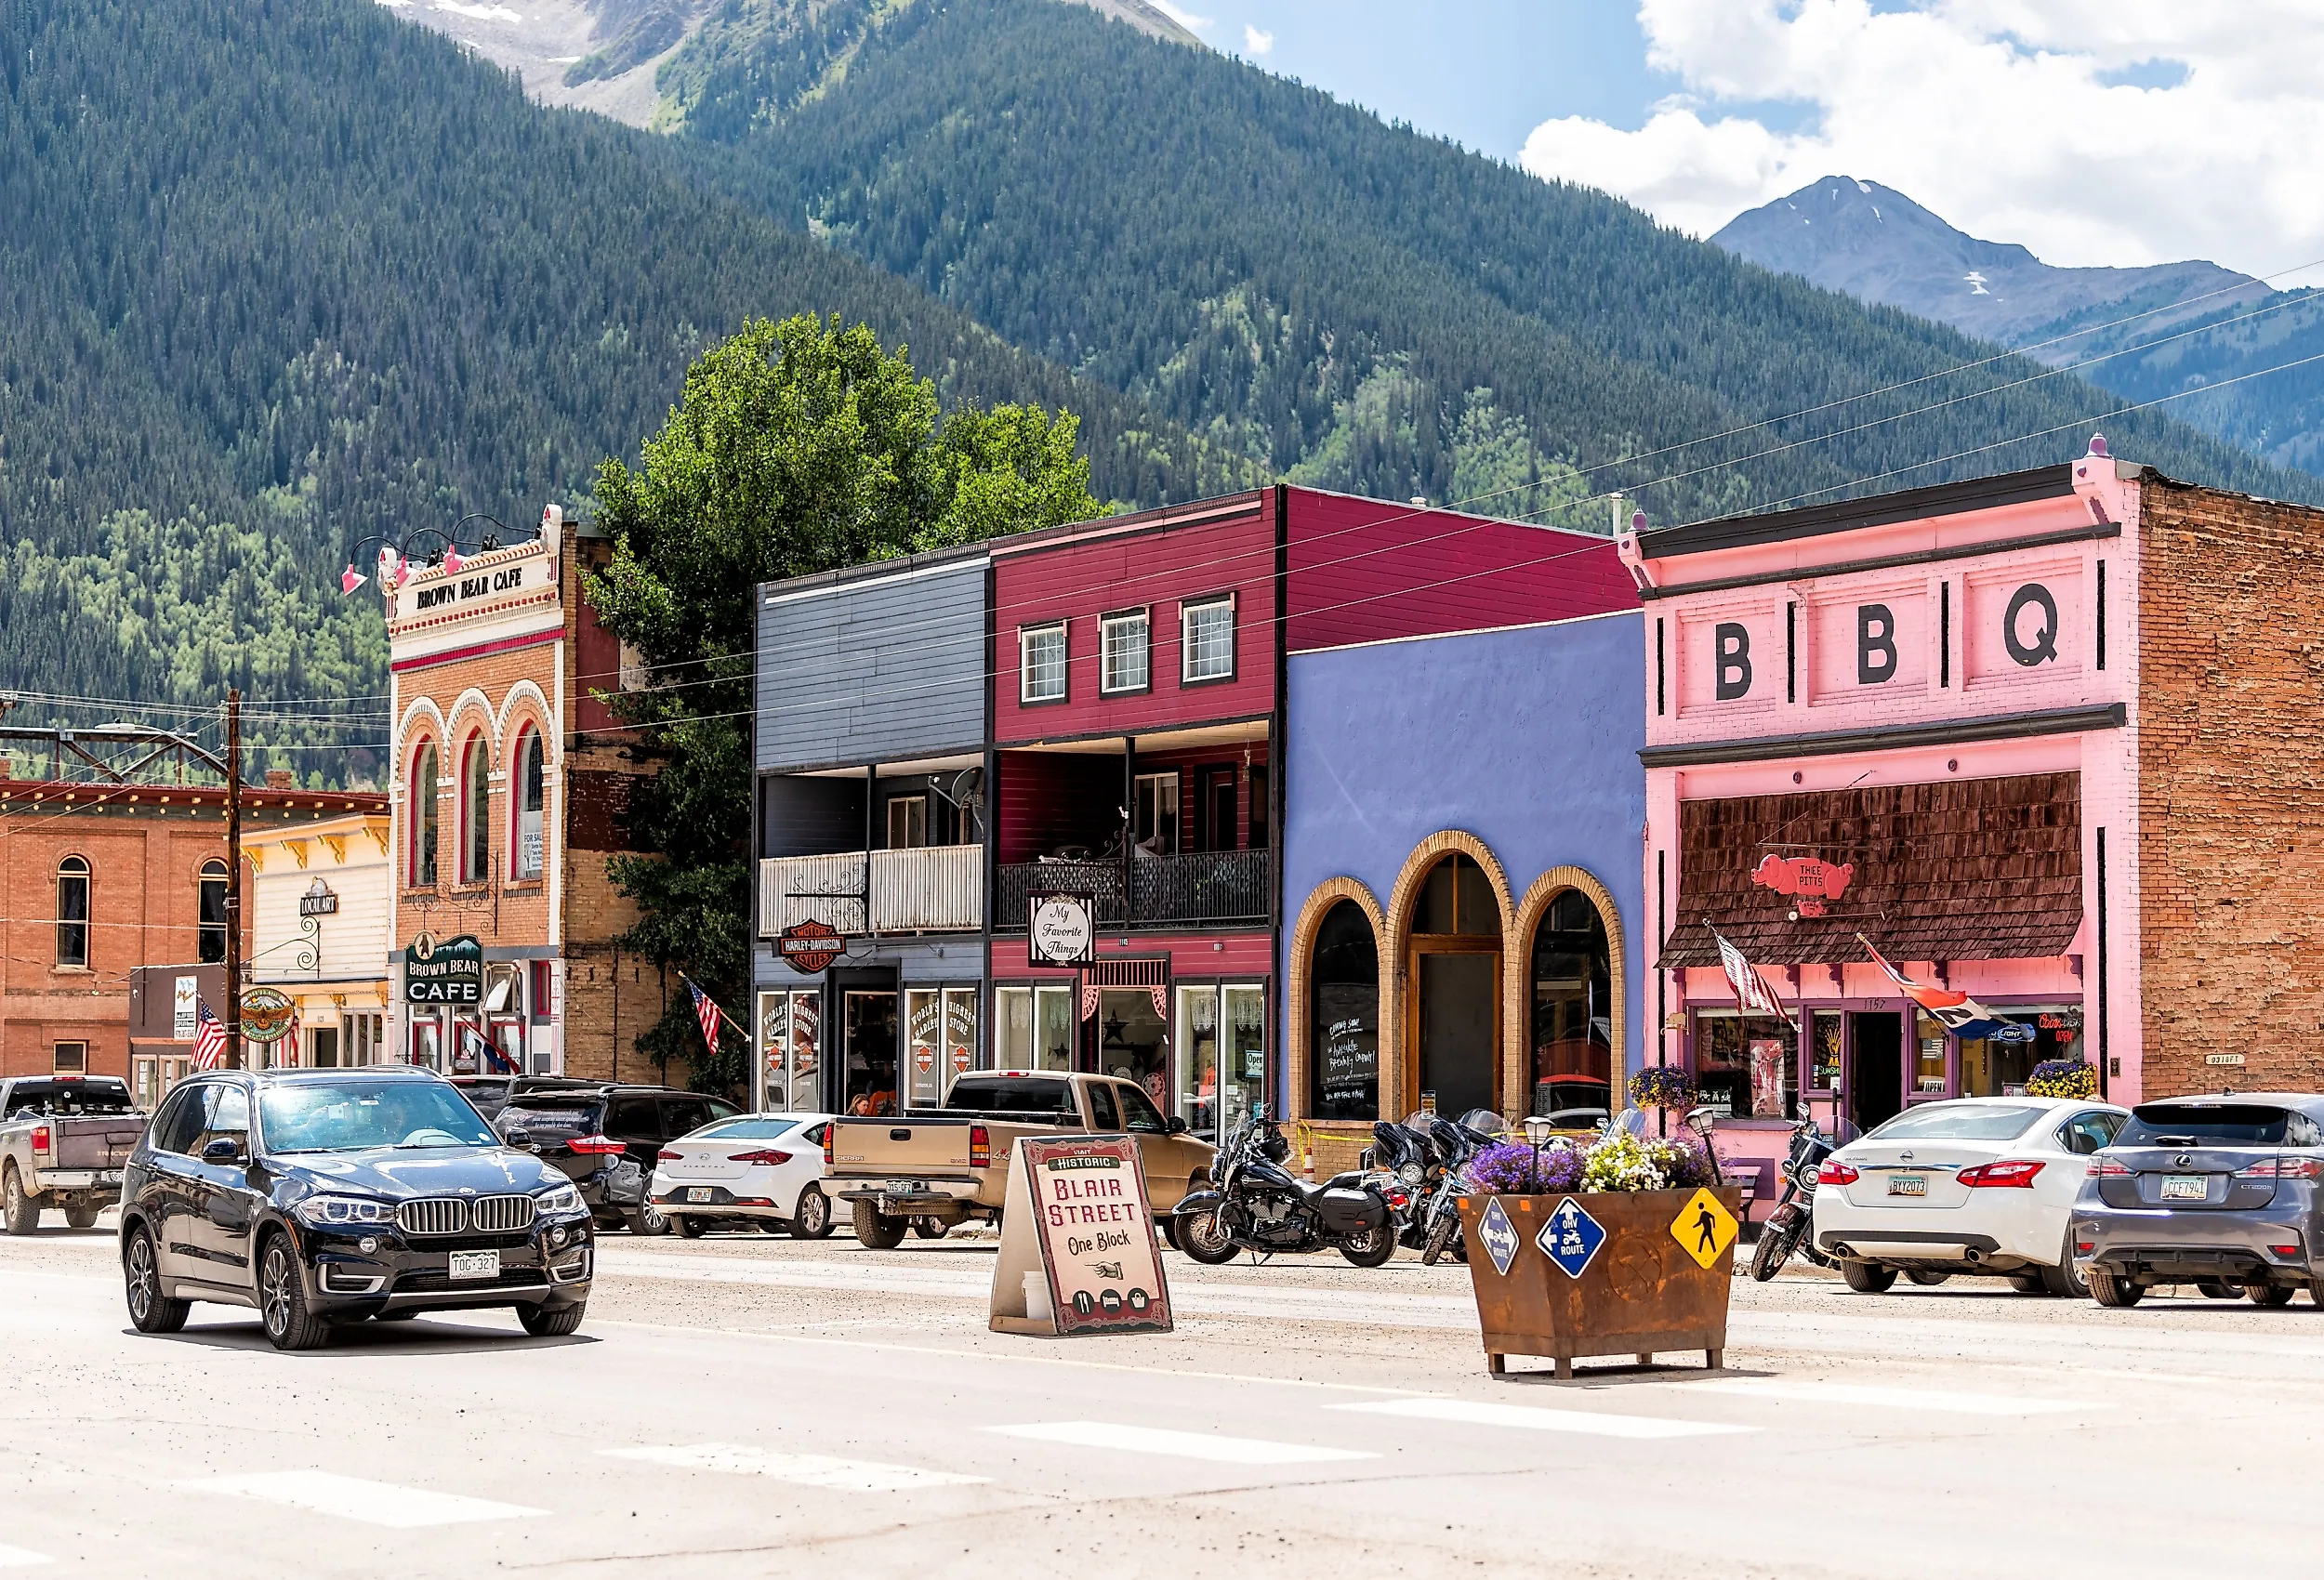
x,y
1809,880
810,945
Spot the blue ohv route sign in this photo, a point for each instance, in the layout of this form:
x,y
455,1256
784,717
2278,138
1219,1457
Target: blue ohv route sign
x,y
1499,1234
1571,1237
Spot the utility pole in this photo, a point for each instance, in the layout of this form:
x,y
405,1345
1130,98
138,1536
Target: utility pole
x,y
233,878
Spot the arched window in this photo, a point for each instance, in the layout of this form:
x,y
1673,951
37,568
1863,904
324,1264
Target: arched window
x,y
476,832
73,912
422,819
210,891
1454,969
1343,1037
1572,1009
525,849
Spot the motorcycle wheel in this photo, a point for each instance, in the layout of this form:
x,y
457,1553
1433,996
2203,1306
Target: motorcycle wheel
x,y
1204,1238
1371,1249
1775,1243
1438,1240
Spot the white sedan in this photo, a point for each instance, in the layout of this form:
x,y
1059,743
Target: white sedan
x,y
756,1168
1971,1185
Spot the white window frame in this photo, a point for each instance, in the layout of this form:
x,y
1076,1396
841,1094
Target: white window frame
x,y
1188,675
1026,635
80,1057
906,807
1116,642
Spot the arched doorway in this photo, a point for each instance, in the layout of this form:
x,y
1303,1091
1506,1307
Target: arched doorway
x,y
1343,1030
1453,990
1570,1007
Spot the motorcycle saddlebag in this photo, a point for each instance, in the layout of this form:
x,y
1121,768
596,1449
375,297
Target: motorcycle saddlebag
x,y
1349,1212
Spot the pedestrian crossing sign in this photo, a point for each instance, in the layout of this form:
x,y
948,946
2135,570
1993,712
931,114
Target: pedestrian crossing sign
x,y
1704,1228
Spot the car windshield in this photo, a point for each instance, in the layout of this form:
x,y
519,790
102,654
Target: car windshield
x,y
2160,1125
1958,1122
344,1116
746,1129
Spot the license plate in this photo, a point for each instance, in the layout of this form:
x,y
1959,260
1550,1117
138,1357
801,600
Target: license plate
x,y
2184,1188
475,1264
904,1187
698,1194
1908,1184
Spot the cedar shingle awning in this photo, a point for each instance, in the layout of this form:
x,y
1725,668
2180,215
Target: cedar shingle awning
x,y
1970,869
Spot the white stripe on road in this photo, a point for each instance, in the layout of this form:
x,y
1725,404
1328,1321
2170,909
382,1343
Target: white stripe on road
x,y
1183,1445
1857,1396
21,1558
1533,1419
806,1470
350,1497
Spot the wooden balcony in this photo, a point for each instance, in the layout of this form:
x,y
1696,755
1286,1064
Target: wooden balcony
x,y
936,888
1203,887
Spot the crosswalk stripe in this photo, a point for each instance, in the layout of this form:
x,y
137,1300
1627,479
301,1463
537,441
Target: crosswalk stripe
x,y
22,1558
1859,1396
1530,1417
350,1497
1183,1445
806,1469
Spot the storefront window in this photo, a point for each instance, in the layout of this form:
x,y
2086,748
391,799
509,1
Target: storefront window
x,y
872,1052
1198,1073
1928,1056
1131,1041
1343,1024
1572,1009
1033,1028
428,1041
787,1022
1746,1067
1991,1068
923,1045
1823,1050
960,1048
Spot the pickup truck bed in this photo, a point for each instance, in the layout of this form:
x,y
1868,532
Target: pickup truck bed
x,y
63,1141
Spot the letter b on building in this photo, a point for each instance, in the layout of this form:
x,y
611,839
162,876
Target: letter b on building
x,y
1876,644
1733,644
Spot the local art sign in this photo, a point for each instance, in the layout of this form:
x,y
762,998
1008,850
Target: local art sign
x,y
1077,1242
443,971
319,901
810,945
1063,930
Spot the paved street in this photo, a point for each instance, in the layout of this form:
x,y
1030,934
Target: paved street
x,y
744,1407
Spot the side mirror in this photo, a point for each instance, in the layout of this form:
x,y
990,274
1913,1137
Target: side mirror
x,y
517,1136
222,1151
1174,1125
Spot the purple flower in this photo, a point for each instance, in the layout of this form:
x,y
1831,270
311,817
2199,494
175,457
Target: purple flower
x,y
1511,1169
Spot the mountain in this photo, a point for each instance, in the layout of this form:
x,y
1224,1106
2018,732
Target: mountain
x,y
2191,325
276,276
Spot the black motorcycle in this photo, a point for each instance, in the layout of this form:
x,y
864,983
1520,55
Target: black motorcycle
x,y
1791,1227
1257,1204
1455,1143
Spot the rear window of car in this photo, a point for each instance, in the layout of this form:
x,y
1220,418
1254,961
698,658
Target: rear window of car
x,y
1960,1122
550,1121
1049,1098
2251,1124
61,1100
746,1130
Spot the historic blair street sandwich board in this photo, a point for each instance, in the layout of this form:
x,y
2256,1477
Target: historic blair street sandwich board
x,y
1076,1220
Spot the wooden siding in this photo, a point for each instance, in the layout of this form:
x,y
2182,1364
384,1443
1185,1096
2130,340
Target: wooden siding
x,y
1052,799
1367,570
807,817
890,666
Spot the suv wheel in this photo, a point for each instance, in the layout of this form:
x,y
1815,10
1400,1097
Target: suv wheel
x,y
20,1212
2108,1290
875,1228
2268,1294
150,1311
283,1300
648,1220
82,1217
1868,1278
2063,1280
811,1214
543,1323
690,1226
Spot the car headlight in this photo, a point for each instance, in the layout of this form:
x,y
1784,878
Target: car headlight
x,y
318,1212
562,1199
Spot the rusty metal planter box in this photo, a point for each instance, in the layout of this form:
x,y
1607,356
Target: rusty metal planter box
x,y
1641,1293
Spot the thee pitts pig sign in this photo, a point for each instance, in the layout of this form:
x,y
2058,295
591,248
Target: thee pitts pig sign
x,y
1809,879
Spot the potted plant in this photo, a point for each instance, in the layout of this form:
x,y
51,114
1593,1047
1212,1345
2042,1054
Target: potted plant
x,y
2062,1078
1622,1246
1663,1086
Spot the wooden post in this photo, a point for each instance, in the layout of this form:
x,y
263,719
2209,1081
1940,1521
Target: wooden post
x,y
233,878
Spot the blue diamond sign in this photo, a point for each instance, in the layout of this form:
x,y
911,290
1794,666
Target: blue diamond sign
x,y
1498,1235
1571,1237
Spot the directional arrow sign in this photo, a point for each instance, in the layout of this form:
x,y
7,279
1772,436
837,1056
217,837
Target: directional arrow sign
x,y
1571,1237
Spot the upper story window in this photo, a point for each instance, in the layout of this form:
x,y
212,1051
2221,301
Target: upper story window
x,y
1124,653
73,912
476,835
525,858
1042,664
1154,820
420,873
908,822
1209,639
210,892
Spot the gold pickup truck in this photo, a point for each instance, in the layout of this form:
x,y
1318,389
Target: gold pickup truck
x,y
930,1171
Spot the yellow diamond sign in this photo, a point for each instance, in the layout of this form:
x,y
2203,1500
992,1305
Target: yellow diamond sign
x,y
1704,1228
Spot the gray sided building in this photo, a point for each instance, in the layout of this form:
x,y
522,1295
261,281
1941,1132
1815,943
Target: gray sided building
x,y
867,977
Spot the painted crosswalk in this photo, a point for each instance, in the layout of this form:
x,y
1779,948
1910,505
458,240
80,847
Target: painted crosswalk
x,y
805,1469
350,1497
21,1558
1211,1446
1857,1396
1529,1417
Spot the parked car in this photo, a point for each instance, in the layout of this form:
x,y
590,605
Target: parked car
x,y
2224,1193
606,1138
754,1171
327,1196
492,1093
930,1171
63,1141
1971,1185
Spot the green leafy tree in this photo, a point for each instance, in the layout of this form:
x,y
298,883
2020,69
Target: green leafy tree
x,y
798,447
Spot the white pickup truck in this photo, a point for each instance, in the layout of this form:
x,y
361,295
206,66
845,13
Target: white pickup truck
x,y
63,1141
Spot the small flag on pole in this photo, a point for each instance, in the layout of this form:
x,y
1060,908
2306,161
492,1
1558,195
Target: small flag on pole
x,y
287,1057
1956,1013
209,1039
1751,991
706,1013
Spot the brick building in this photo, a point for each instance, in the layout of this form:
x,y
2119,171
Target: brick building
x,y
510,789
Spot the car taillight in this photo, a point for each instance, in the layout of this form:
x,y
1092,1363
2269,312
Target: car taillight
x,y
2291,1250
2109,1167
1834,1172
2283,1168
604,1145
980,1147
666,1155
826,1146
40,1138
2018,1172
766,1158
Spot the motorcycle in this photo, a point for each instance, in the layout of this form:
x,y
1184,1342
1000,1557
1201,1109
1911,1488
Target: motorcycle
x,y
1791,1227
1256,1205
1456,1143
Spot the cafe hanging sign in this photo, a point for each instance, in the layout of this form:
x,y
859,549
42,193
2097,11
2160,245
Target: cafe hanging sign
x,y
448,971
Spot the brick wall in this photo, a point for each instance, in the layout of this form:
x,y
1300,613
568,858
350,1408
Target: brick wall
x,y
2231,841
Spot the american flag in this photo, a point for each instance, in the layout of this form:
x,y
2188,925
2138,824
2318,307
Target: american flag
x,y
289,1056
209,1039
1751,991
707,1013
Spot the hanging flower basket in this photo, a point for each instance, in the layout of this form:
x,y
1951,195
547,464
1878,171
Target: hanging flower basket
x,y
2062,1078
1662,1085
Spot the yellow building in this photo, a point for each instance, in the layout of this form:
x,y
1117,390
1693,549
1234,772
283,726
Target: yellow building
x,y
318,935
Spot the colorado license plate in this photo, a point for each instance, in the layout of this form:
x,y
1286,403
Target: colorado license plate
x,y
698,1194
904,1187
475,1264
1908,1184
2184,1188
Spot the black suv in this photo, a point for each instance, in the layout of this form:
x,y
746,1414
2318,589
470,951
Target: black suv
x,y
605,1138
492,1093
323,1196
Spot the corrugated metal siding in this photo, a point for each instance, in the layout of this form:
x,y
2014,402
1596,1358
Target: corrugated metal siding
x,y
827,888
888,668
933,890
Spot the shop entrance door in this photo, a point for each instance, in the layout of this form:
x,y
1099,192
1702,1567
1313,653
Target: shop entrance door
x,y
871,1051
1876,1068
1459,1022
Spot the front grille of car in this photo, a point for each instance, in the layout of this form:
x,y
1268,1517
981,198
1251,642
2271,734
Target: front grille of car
x,y
435,1215
500,1215
449,1214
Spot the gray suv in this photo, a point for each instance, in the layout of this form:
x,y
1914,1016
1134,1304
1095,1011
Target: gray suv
x,y
2217,1192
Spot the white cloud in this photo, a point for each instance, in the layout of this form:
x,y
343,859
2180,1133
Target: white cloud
x,y
1182,15
1255,41
2011,118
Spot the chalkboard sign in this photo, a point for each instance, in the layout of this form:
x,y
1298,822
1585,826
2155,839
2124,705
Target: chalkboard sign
x,y
1347,1044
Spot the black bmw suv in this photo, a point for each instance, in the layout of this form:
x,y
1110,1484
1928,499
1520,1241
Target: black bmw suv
x,y
326,1196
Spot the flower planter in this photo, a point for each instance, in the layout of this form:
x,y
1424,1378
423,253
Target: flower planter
x,y
1639,1292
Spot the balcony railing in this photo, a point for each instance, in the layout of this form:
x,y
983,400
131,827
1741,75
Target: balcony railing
x,y
1207,886
937,889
